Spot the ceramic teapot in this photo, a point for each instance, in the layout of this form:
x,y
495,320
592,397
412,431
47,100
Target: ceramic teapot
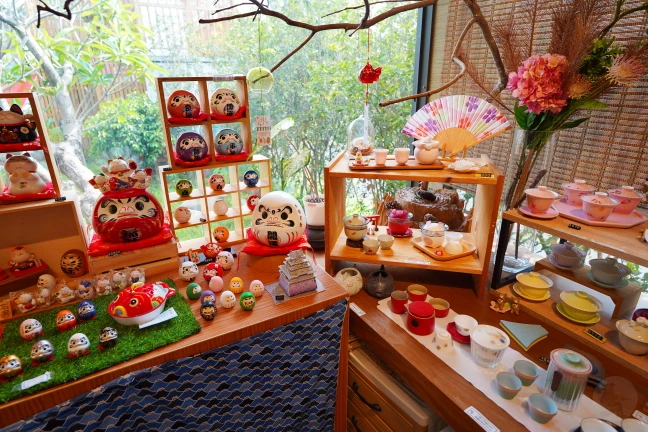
x,y
380,284
351,279
426,151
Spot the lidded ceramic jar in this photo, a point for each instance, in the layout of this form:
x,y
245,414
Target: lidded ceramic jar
x,y
540,199
633,335
574,191
433,233
534,284
580,305
598,207
608,270
566,255
566,378
426,151
628,199
355,226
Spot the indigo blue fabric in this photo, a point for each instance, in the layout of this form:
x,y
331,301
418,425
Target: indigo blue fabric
x,y
281,380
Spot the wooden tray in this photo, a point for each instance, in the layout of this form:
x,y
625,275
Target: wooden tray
x,y
469,249
615,220
391,164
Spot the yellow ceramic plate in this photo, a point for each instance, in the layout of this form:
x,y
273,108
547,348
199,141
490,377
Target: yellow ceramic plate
x,y
516,290
562,312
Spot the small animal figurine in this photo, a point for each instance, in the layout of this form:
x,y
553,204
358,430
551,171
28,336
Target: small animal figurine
x,y
184,188
182,215
207,296
221,234
183,104
119,172
252,202
515,306
501,302
45,294
87,311
25,301
208,311
65,294
100,182
21,259
65,320
236,285
10,367
16,126
257,288
85,290
119,280
42,352
193,291
216,284
228,142
103,284
247,301
226,260
224,102
136,275
212,269
78,345
30,329
188,271
141,179
211,250
227,299
107,338
23,176
251,178
217,182
74,263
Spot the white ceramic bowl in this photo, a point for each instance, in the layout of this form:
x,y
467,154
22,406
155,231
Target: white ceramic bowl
x,y
386,241
487,345
634,425
464,324
596,425
566,255
632,340
608,270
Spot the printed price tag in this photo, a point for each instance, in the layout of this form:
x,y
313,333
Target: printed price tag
x,y
640,416
164,316
263,126
481,420
60,199
5,310
355,308
484,175
35,381
114,253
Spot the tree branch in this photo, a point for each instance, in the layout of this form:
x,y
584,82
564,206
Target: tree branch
x,y
364,19
362,5
45,8
290,54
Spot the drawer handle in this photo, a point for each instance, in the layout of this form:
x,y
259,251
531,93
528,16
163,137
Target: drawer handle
x,y
356,389
354,420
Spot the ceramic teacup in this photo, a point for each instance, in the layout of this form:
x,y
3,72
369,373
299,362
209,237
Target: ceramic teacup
x,y
464,324
370,247
381,156
442,341
508,385
542,408
399,301
526,371
386,241
401,155
441,307
417,292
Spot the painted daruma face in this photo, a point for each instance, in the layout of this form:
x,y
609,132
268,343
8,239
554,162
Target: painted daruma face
x,y
278,219
191,147
127,216
228,142
225,102
182,103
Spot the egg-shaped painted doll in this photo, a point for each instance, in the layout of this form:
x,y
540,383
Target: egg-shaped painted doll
x,y
183,104
41,352
216,284
65,320
78,345
227,299
184,188
228,142
87,310
225,102
188,271
236,285
191,147
182,214
193,291
74,263
217,182
10,367
210,250
226,260
247,301
107,338
30,329
278,219
256,288
251,178
207,296
212,269
85,290
208,311
252,202
127,216
221,234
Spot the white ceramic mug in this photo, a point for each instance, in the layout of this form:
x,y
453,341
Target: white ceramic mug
x,y
381,156
401,154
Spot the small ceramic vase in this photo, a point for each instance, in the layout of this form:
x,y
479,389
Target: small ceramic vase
x,y
426,151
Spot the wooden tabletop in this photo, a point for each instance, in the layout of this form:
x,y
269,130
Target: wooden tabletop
x,y
229,326
436,383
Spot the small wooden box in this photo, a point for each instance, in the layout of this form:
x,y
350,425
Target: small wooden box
x,y
155,259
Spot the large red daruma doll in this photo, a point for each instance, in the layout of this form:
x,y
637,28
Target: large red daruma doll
x,y
124,216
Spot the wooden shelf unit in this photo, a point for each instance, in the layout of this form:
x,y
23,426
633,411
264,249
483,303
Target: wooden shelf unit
x,y
546,312
204,94
489,182
206,219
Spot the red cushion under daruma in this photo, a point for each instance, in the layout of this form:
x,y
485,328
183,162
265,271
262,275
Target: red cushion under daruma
x,y
189,120
253,247
238,115
99,247
197,163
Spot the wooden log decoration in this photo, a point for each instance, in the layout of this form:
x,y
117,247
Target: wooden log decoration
x,y
445,206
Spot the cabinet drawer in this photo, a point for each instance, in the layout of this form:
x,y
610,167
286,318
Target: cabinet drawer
x,y
375,405
356,422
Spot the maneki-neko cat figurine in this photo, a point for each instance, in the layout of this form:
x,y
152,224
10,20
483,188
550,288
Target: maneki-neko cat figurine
x,y
23,262
23,175
16,127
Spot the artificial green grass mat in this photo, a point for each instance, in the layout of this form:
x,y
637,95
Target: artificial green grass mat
x,y
132,342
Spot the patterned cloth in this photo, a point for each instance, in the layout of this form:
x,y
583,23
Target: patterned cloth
x,y
282,380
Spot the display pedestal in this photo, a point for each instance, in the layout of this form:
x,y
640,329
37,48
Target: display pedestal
x,y
155,259
263,263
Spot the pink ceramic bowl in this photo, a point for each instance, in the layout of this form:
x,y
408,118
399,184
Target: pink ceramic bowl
x,y
540,199
574,191
598,207
628,199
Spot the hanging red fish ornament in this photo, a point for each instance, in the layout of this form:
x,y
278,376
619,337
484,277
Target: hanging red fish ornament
x,y
369,75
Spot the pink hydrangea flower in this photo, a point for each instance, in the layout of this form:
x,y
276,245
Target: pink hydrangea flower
x,y
538,83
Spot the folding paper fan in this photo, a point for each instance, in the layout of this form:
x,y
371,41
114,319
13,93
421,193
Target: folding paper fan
x,y
457,122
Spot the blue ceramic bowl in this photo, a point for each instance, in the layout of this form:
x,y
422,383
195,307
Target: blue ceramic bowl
x,y
526,371
541,408
508,385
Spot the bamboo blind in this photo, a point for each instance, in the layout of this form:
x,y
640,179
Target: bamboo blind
x,y
609,150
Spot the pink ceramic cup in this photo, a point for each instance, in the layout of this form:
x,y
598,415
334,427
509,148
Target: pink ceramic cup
x,y
381,156
401,155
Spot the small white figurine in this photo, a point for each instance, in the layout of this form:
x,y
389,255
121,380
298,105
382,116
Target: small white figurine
x,y
103,284
227,299
226,260
85,290
78,345
216,284
30,329
25,301
119,280
256,288
21,258
65,294
45,294
23,178
188,271
136,275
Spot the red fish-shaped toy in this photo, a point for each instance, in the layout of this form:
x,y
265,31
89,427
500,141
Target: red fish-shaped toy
x,y
369,75
140,303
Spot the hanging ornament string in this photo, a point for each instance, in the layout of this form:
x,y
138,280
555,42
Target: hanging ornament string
x,y
368,50
259,59
368,75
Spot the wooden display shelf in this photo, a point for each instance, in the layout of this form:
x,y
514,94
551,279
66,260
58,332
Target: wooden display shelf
x,y
228,189
546,312
404,254
241,119
185,245
621,243
195,194
625,299
197,218
231,214
157,258
263,183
